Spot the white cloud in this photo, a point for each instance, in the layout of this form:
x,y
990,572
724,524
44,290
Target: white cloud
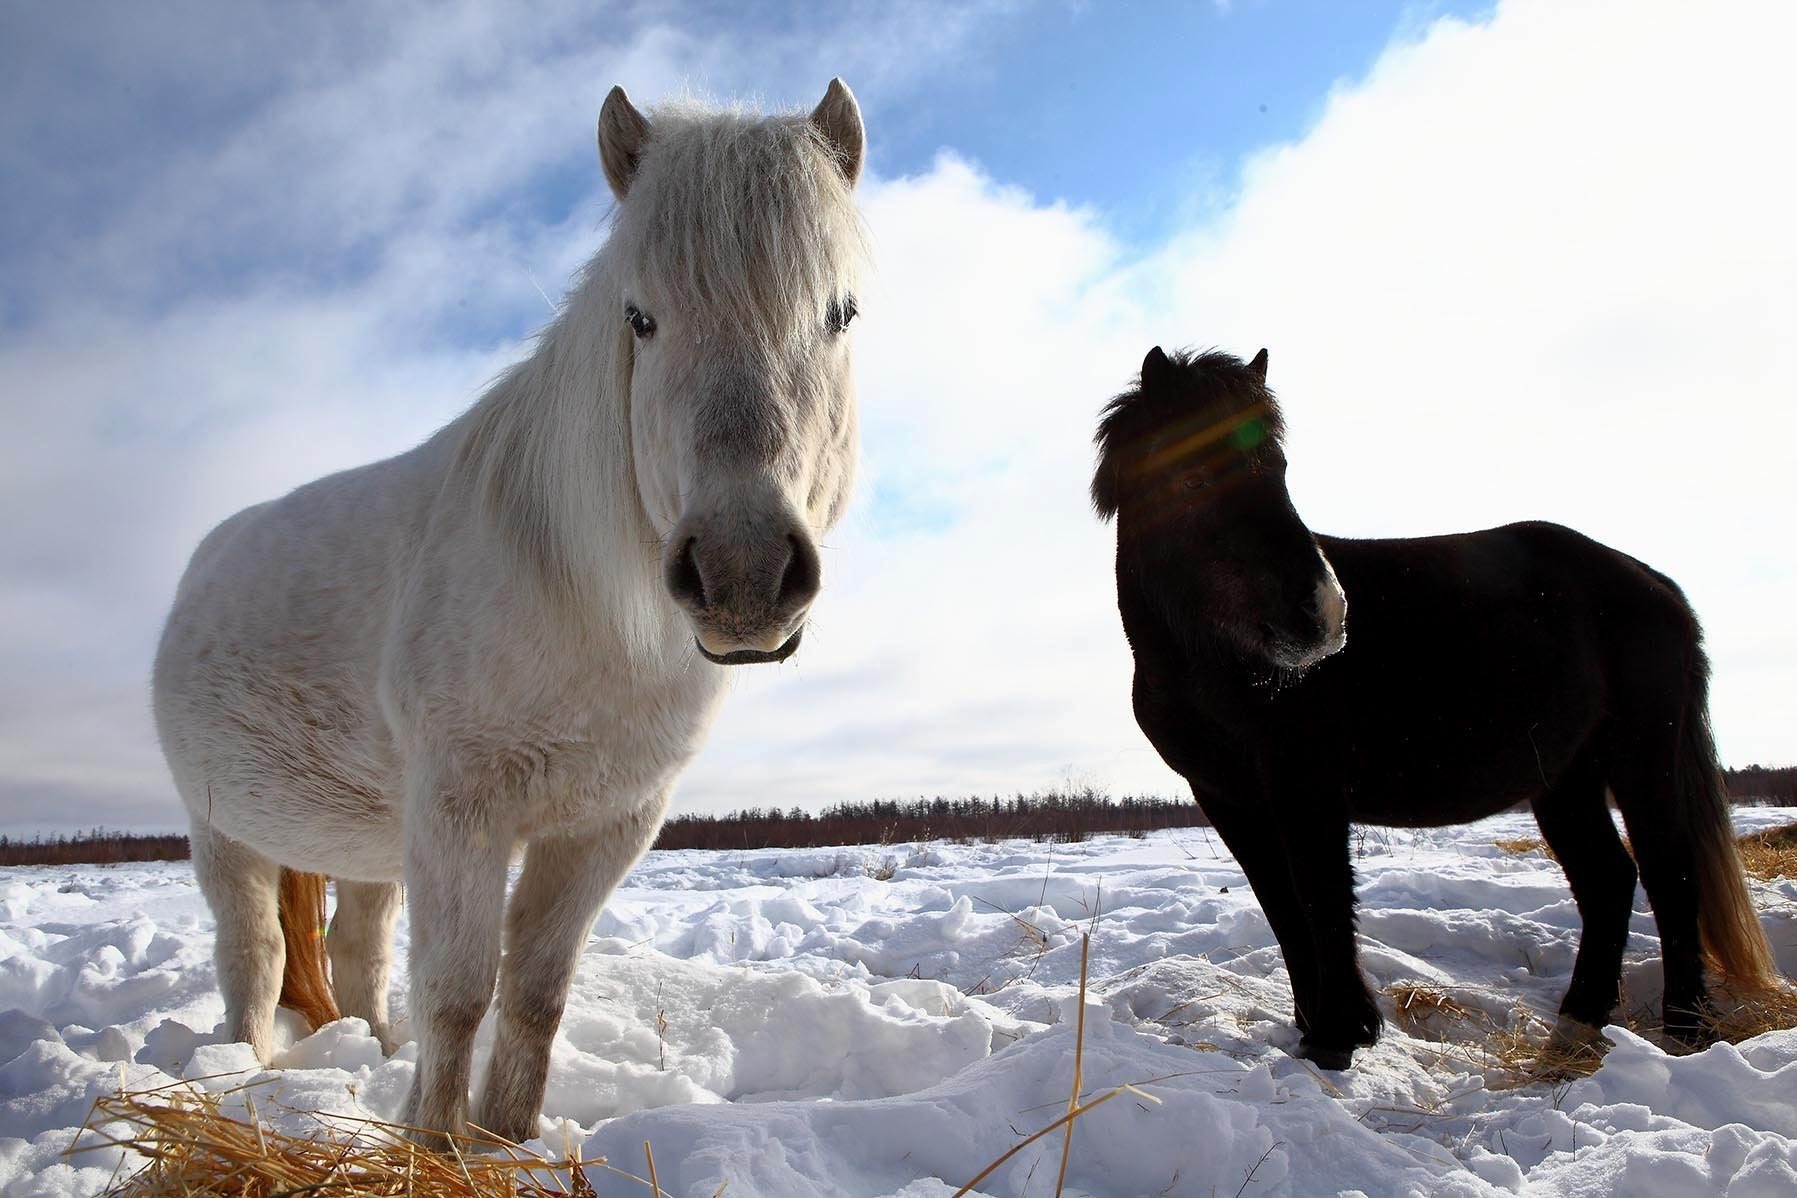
x,y
1540,267
1526,269
324,265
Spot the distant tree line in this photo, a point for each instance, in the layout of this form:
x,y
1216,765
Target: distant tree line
x,y
1771,785
94,847
1063,816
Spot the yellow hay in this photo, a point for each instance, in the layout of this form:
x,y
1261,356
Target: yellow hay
x,y
1418,1007
1770,854
1525,844
1521,1050
195,1149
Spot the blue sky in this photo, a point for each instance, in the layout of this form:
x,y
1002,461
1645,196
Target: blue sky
x,y
1142,112
1145,111
244,248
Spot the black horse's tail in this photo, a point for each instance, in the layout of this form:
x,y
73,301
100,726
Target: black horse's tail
x,y
1730,927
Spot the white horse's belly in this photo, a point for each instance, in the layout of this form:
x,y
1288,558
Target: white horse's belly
x,y
265,683
300,770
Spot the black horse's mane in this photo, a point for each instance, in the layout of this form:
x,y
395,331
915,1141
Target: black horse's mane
x,y
1194,386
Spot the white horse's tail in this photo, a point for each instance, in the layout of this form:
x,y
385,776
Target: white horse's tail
x,y
306,980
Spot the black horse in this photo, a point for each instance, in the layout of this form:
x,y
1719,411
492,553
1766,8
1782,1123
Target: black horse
x,y
1475,671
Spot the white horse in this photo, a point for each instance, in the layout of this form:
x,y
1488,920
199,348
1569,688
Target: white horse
x,y
510,637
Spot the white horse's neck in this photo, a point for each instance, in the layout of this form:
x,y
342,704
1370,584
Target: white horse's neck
x,y
546,458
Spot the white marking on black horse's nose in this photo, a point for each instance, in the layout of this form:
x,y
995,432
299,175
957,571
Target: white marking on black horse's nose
x,y
1332,611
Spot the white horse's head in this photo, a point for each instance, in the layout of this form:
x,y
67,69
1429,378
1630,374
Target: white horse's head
x,y
738,246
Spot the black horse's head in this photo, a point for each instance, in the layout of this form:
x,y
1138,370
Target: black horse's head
x,y
1190,464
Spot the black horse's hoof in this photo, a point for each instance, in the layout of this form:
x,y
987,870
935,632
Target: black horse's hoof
x,y
1688,1027
1682,1040
1326,1058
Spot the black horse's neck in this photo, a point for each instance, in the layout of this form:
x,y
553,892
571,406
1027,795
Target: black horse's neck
x,y
1168,634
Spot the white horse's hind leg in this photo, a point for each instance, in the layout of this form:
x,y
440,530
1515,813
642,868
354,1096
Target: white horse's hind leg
x,y
243,889
361,947
566,880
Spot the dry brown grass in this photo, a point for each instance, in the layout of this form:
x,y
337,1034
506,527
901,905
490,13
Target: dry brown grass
x,y
1526,844
1514,1052
1524,1052
1770,854
1743,1014
195,1149
1421,1008
1521,1050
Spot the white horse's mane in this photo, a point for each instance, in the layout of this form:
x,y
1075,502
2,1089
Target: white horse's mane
x,y
741,219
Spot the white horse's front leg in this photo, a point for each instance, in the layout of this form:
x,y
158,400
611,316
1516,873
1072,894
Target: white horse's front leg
x,y
455,879
566,880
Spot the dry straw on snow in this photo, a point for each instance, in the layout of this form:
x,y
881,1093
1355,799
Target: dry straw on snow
x,y
194,1148
1521,1050
1526,844
1770,854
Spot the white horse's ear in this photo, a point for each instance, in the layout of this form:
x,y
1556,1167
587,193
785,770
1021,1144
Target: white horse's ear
x,y
1259,365
838,118
622,133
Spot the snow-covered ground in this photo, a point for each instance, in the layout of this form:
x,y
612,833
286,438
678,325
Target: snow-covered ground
x,y
887,1020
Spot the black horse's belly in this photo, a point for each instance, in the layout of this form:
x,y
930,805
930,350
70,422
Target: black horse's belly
x,y
1430,773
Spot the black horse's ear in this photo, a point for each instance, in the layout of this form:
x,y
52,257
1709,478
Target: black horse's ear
x,y
1259,365
1155,368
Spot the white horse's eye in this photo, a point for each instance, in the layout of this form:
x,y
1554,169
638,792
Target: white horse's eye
x,y
641,323
841,313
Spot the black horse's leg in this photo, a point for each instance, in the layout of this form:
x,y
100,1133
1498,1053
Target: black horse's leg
x,y
1645,791
1255,843
1345,1015
1575,821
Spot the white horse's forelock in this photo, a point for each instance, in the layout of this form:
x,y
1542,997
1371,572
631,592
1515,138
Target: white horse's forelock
x,y
743,216
746,218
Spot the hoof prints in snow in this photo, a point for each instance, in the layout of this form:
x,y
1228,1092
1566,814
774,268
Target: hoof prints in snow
x,y
885,1022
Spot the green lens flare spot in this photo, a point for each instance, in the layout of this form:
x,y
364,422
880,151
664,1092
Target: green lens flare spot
x,y
1248,434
